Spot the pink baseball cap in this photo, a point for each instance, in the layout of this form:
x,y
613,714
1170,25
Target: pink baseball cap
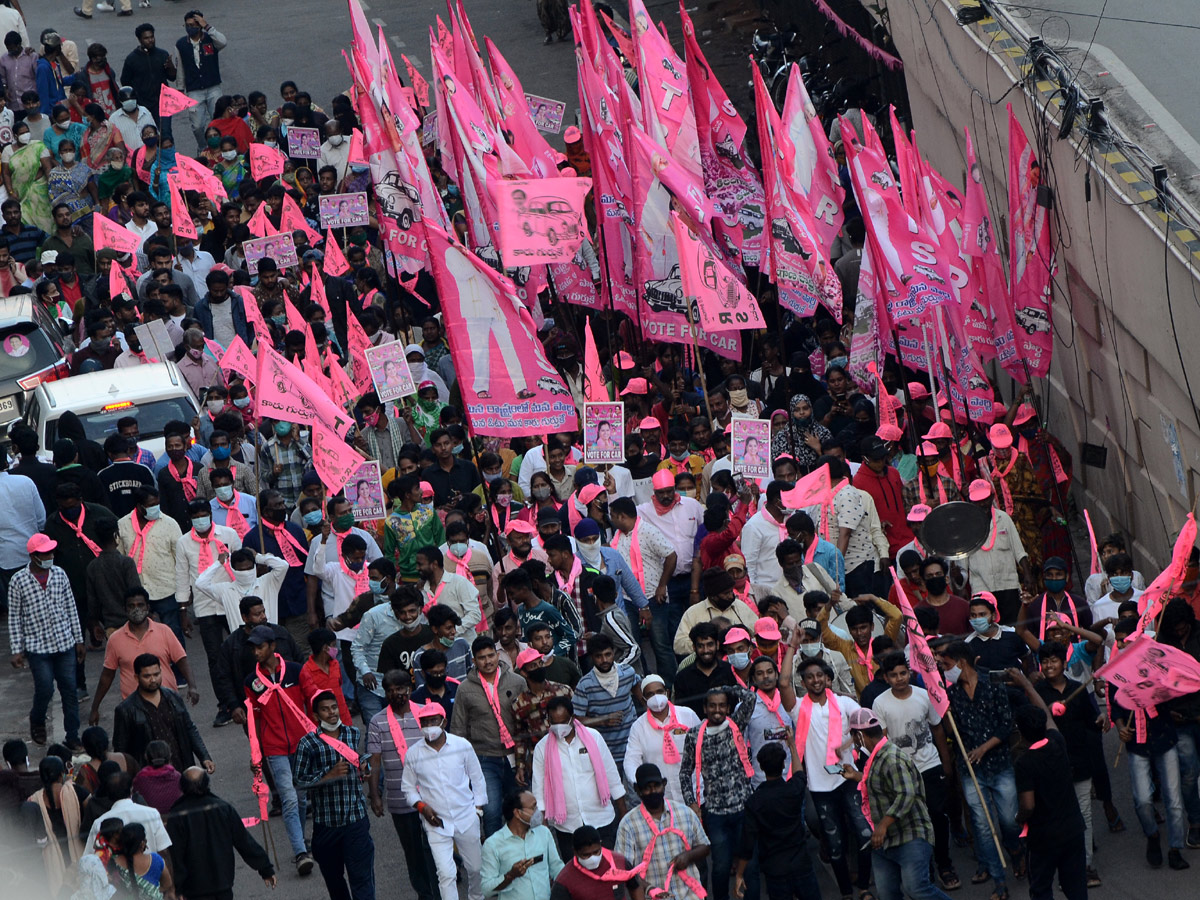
x,y
519,525
426,489
572,134
590,492
916,390
862,719
1000,436
567,172
1025,412
432,708
889,432
40,543
979,490
625,361
526,656
767,629
919,512
938,431
927,448
635,386
649,422
734,635
990,599
663,479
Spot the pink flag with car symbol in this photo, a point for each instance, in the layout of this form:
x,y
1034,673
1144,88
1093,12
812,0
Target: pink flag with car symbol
x,y
541,219
722,302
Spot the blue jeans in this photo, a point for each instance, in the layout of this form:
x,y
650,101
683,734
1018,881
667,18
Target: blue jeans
x,y
904,870
664,622
166,610
841,817
347,849
1167,765
49,669
291,799
1188,748
369,704
724,832
500,779
1000,794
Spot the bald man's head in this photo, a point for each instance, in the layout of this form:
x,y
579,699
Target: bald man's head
x,y
194,781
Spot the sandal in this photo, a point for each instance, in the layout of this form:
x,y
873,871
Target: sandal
x,y
949,879
1116,825
980,877
1020,864
1000,893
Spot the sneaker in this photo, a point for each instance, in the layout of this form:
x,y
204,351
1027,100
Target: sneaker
x,y
1176,861
223,718
104,7
83,694
145,4
304,861
1154,852
1093,877
1193,837
79,12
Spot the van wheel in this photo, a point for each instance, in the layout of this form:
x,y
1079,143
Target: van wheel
x,y
405,220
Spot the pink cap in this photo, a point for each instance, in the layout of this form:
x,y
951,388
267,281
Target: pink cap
x,y
572,134
625,361
635,386
521,526
1025,412
1000,436
916,390
938,431
649,422
662,480
927,448
526,656
734,635
919,512
990,599
432,708
426,489
979,490
567,172
767,629
40,543
862,719
889,432
589,492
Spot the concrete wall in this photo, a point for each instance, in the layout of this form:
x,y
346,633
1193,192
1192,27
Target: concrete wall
x,y
1117,378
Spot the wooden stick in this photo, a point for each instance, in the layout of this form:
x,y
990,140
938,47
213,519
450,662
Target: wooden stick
x,y
700,363
982,801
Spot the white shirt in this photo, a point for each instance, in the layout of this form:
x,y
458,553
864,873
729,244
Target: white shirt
x,y
461,595
655,549
759,539
338,157
766,728
142,233
315,564
214,581
908,723
1097,586
131,124
449,780
995,569
679,526
818,737
1106,608
645,745
197,268
242,502
187,568
580,791
158,563
344,588
130,813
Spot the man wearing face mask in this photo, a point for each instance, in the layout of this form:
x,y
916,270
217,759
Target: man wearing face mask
x,y
666,835
521,860
150,539
444,783
680,459
130,118
600,560
335,151
652,737
377,625
328,547
285,540
799,578
198,369
76,527
594,872
199,55
719,600
243,573
809,632
401,649
421,372
101,352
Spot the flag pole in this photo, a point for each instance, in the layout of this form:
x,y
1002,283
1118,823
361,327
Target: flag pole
x,y
699,362
975,781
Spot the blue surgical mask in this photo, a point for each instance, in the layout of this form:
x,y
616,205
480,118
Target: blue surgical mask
x,y
222,453
152,512
739,660
1121,583
459,549
224,492
458,448
981,624
312,518
241,402
376,587
1054,585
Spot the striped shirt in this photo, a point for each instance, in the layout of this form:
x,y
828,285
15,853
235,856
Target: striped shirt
x,y
593,700
379,740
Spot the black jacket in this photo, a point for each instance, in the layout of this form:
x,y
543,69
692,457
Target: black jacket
x,y
131,729
236,660
204,833
146,72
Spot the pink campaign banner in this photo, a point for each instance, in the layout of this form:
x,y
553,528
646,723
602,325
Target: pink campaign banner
x,y
171,101
573,283
922,658
286,393
723,303
1148,673
108,234
334,459
1031,255
541,220
508,386
265,161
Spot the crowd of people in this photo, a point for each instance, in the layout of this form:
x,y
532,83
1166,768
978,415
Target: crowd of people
x,y
554,678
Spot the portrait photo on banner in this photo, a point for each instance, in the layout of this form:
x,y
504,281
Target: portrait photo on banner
x,y
750,441
364,490
603,433
279,247
389,370
344,210
304,143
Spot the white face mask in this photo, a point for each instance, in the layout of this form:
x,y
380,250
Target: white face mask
x,y
202,524
246,578
67,156
591,863
331,727
286,122
229,155
431,732
129,105
590,553
657,703
224,492
562,729
24,137
336,139
272,144
952,674
811,650
215,406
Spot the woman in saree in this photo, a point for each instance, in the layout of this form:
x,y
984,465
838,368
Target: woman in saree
x,y
101,137
70,183
26,168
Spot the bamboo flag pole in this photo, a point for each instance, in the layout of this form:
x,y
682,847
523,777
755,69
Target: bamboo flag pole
x,y
975,781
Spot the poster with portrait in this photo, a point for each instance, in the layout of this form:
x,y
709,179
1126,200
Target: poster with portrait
x,y
389,370
547,114
304,143
751,447
279,247
344,210
364,490
603,433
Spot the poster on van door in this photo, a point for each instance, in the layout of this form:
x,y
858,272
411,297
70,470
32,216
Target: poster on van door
x,y
344,210
541,220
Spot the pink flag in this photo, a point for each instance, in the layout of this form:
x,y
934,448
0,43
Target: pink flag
x,y
265,161
316,293
979,243
312,360
344,391
528,142
508,386
335,261
253,313
334,459
259,224
667,114
597,390
181,219
107,233
1030,251
883,400
419,84
238,358
541,220
1094,567
813,171
920,656
1152,601
359,342
171,101
292,219
117,282
813,489
573,283
722,301
1148,673
286,393
295,321
357,153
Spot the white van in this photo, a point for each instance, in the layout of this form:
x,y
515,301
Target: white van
x,y
153,394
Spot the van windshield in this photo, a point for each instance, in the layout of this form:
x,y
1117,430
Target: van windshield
x,y
151,416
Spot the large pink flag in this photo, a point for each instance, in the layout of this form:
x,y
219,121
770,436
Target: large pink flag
x,y
1030,251
334,459
181,220
359,342
292,219
419,85
508,386
723,303
920,656
335,261
253,313
108,234
979,242
1148,673
538,155
265,161
542,220
813,171
1151,603
597,390
286,393
238,358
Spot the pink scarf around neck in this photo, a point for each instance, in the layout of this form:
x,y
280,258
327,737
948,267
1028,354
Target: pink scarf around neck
x,y
556,799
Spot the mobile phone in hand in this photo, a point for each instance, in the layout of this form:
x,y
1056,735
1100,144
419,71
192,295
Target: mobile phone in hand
x,y
833,768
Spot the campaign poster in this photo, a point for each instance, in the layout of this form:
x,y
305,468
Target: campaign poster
x,y
279,247
304,143
389,370
603,433
547,114
751,450
344,210
364,490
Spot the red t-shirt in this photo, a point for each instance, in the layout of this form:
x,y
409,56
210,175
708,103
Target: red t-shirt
x,y
953,615
278,730
581,886
312,680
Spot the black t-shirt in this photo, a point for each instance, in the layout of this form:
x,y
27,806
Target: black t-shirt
x,y
121,479
1003,651
774,824
1077,725
462,477
692,685
398,649
1047,772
